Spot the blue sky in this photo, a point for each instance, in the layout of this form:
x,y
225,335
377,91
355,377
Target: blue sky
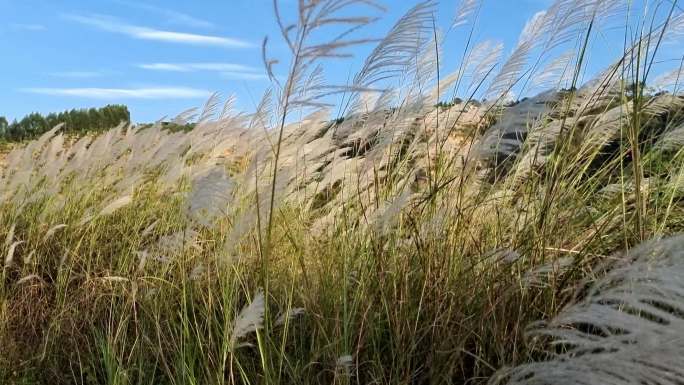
x,y
161,57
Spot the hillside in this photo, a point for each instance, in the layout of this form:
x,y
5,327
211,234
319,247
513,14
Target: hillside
x,y
355,199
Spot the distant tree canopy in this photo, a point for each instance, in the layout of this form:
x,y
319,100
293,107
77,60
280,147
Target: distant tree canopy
x,y
75,121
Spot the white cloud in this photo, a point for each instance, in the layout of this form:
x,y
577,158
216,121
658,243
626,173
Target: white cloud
x,y
180,37
165,67
187,20
169,15
28,27
243,76
192,67
110,24
77,74
227,70
124,93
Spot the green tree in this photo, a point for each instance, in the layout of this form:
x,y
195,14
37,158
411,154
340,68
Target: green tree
x,y
14,131
4,126
76,121
33,125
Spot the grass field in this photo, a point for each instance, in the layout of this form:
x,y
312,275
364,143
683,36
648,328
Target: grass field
x,y
405,243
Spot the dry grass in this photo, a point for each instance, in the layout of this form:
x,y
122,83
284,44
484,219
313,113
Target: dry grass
x,y
4,150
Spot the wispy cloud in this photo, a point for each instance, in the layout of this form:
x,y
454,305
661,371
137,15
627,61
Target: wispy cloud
x,y
226,70
28,27
170,16
124,93
243,76
114,25
77,74
192,67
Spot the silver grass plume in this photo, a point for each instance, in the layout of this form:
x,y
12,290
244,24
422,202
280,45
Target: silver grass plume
x,y
185,117
424,73
345,364
116,204
513,67
670,79
261,118
10,253
210,195
561,23
29,278
387,216
565,19
288,315
465,9
665,104
52,231
504,139
365,103
627,330
675,29
47,136
10,235
210,108
672,140
533,28
172,243
481,61
249,320
305,87
228,108
398,52
606,127
556,73
386,99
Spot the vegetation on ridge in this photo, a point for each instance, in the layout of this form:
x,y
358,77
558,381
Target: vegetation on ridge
x,y
75,122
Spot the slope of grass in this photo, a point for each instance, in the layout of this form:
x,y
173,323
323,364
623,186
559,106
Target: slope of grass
x,y
427,286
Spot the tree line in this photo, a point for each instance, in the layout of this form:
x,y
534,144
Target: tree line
x,y
75,121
